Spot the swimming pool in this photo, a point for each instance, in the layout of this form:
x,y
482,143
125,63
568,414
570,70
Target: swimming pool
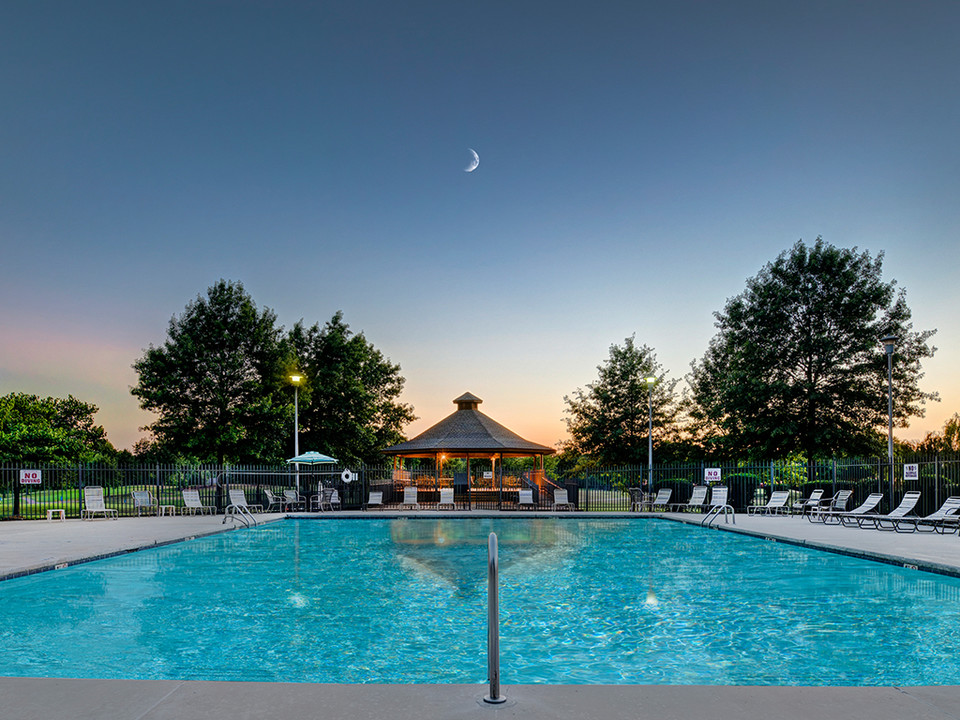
x,y
404,601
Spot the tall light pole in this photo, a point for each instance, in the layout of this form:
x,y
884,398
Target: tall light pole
x,y
888,342
295,379
650,380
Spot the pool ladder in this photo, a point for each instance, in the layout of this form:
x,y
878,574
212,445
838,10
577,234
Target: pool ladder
x,y
493,622
239,513
716,511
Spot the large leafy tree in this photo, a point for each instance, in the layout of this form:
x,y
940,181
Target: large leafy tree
x,y
39,431
946,440
349,406
797,364
35,430
216,384
609,420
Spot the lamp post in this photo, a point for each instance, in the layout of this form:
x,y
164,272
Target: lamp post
x,y
650,380
888,342
295,379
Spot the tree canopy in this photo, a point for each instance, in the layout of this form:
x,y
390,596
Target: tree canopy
x,y
609,420
216,384
36,430
797,364
351,409
946,440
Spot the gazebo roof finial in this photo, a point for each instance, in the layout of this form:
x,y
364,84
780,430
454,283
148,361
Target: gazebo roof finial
x,y
467,401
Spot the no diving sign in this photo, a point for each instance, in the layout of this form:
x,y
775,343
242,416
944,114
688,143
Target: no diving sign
x,y
30,477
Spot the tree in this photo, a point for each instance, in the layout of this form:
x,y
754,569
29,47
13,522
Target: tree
x,y
216,384
609,420
36,430
349,404
797,363
947,440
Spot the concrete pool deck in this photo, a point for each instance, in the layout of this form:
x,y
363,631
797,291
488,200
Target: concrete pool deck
x,y
32,546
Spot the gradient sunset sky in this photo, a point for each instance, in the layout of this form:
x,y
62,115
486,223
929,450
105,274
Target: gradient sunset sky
x,y
638,162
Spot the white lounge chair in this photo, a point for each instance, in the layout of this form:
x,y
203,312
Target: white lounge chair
x,y
811,503
274,503
144,500
526,500
879,522
333,499
776,505
718,505
837,503
294,500
848,518
446,499
93,504
410,498
238,498
944,517
696,502
560,500
375,499
192,504
661,500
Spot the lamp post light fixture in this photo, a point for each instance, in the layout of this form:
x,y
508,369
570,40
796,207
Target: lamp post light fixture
x,y
296,379
650,380
888,342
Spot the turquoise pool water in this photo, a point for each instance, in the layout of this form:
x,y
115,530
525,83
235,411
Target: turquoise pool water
x,y
404,601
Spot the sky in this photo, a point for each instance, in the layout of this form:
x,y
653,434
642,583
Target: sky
x,y
639,161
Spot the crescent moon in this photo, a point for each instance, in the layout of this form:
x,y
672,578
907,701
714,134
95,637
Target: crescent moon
x,y
474,162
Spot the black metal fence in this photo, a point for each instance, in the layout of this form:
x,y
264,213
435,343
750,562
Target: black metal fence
x,y
29,492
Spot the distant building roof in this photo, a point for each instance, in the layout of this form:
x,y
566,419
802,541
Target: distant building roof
x,y
468,431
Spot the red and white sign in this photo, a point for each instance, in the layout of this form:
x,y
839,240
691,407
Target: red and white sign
x,y
711,475
30,477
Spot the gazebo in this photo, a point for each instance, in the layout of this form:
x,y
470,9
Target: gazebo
x,y
469,434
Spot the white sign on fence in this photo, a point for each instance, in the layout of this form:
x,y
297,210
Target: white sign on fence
x,y
911,472
711,475
30,477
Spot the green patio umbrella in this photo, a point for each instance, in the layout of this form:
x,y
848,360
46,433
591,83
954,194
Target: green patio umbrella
x,y
309,458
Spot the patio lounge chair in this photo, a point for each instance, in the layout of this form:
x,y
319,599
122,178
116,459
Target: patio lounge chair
x,y
192,504
696,501
410,498
294,499
718,505
776,505
274,503
143,500
326,498
446,499
526,500
93,504
837,503
662,500
375,499
851,518
810,503
907,503
238,498
940,520
560,500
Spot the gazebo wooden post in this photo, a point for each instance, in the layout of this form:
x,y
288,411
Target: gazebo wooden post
x,y
469,505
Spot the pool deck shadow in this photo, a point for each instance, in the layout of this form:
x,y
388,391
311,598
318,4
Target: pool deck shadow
x,y
27,547
61,699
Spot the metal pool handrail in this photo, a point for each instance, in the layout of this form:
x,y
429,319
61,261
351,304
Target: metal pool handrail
x,y
493,622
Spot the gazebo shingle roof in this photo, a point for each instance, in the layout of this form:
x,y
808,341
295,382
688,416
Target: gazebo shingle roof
x,y
468,430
